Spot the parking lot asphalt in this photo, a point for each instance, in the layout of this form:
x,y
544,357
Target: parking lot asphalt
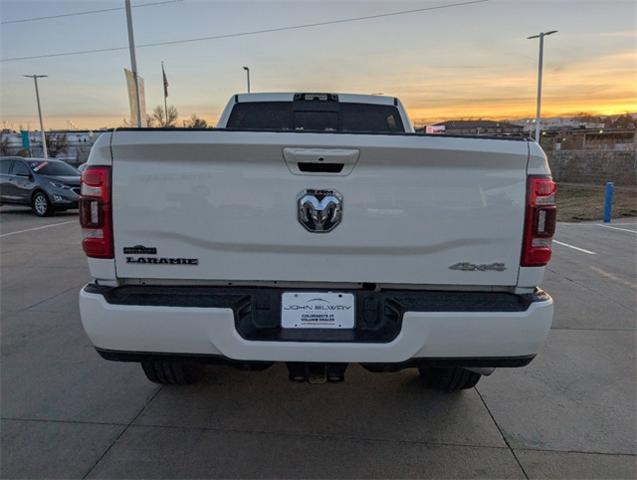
x,y
66,413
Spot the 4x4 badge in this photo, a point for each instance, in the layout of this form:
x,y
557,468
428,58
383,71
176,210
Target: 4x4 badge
x,y
482,267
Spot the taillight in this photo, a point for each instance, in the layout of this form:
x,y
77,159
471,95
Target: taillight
x,y
540,220
95,212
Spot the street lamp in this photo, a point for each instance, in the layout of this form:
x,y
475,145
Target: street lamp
x,y
37,97
248,74
541,36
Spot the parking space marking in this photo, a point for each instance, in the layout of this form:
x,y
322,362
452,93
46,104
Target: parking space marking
x,y
37,228
609,275
616,228
589,224
574,247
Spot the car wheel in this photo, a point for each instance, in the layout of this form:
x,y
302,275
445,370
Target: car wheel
x,y
41,205
449,379
172,372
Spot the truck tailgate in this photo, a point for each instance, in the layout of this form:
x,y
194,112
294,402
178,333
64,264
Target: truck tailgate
x,y
415,209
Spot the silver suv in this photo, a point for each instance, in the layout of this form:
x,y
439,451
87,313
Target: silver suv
x,y
45,185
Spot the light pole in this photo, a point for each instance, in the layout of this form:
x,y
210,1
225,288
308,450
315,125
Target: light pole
x,y
133,60
541,36
37,97
248,75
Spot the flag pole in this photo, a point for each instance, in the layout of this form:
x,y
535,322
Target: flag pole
x,y
163,73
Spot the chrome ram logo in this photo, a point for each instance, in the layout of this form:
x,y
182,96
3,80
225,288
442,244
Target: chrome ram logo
x,y
320,211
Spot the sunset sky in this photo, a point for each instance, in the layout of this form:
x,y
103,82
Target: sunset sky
x,y
458,62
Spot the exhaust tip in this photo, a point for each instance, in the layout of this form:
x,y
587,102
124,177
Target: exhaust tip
x,y
316,373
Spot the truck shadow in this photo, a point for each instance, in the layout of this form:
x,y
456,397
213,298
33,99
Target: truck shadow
x,y
18,211
366,406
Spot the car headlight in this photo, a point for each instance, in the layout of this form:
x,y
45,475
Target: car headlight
x,y
59,185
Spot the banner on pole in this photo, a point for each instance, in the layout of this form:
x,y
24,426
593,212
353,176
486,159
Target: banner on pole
x,y
163,73
26,141
132,100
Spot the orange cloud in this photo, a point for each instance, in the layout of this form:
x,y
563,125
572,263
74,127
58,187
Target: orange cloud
x,y
605,84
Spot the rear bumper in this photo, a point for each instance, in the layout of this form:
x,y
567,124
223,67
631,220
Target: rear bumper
x,y
128,323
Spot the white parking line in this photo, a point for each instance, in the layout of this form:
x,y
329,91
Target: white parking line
x,y
616,228
37,228
588,224
613,277
575,248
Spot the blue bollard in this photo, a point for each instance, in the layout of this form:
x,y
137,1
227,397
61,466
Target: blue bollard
x,y
608,202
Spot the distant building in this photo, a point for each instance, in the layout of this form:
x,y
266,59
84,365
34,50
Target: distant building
x,y
557,123
431,129
614,139
79,143
478,127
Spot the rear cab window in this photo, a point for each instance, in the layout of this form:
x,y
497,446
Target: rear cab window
x,y
325,116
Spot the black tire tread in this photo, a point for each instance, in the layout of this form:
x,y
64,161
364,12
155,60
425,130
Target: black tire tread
x,y
172,372
450,379
50,207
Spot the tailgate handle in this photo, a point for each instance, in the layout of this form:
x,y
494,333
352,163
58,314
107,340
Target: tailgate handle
x,y
320,161
320,167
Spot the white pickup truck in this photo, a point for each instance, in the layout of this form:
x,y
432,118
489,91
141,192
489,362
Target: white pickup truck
x,y
317,230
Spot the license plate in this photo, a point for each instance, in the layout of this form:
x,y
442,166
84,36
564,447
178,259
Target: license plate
x,y
317,310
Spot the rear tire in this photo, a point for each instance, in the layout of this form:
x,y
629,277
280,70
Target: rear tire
x,y
451,379
41,205
172,372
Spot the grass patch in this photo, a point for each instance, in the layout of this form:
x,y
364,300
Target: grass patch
x,y
577,203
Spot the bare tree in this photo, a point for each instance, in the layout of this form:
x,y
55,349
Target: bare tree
x,y
586,117
151,121
159,116
57,143
5,149
622,121
172,117
196,122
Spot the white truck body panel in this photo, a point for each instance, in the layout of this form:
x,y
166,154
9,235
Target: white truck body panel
x,y
211,331
420,215
413,206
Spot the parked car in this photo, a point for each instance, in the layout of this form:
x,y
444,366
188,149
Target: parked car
x,y
45,185
316,230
